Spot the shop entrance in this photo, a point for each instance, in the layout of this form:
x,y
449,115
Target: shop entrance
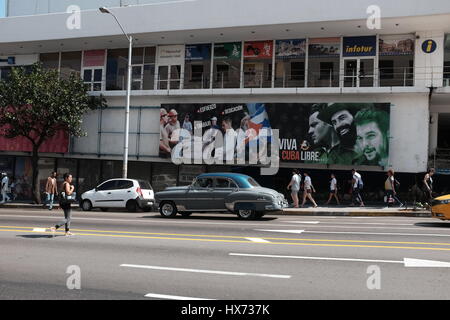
x,y
359,72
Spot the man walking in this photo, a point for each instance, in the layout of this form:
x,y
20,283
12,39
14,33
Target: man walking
x,y
309,189
51,190
294,185
357,187
4,188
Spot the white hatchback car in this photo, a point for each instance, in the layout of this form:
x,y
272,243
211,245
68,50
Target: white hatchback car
x,y
120,193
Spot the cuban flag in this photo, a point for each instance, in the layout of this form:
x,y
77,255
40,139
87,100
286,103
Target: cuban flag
x,y
259,119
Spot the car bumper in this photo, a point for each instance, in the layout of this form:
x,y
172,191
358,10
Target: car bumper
x,y
146,203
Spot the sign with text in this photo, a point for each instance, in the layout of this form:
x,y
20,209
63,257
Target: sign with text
x,y
360,46
315,133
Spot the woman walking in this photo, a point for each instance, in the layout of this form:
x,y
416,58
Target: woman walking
x,y
333,190
68,189
309,189
390,188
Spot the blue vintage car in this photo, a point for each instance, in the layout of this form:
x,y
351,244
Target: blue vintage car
x,y
220,192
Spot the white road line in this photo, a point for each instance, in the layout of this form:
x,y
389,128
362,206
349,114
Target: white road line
x,y
258,240
285,231
313,258
39,230
305,222
167,297
229,273
382,233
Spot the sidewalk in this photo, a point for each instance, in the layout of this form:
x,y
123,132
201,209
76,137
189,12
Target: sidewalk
x,y
369,211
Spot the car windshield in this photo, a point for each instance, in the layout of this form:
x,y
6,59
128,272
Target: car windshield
x,y
252,182
145,185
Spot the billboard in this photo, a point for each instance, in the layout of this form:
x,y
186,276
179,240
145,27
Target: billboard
x,y
258,50
315,133
290,49
397,45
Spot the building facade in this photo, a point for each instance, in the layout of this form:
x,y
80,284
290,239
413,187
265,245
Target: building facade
x,y
240,62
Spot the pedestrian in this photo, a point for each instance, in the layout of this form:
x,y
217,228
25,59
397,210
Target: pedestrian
x,y
294,186
357,186
308,190
68,190
4,187
390,187
51,190
333,190
428,185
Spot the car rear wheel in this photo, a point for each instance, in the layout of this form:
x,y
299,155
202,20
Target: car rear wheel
x,y
86,205
168,209
246,214
132,206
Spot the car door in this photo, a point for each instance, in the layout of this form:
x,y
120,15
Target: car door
x,y
223,187
200,195
122,192
102,197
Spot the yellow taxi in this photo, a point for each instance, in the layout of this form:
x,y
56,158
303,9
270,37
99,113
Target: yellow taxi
x,y
440,208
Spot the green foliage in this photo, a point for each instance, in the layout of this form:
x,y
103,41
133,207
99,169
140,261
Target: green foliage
x,y
36,103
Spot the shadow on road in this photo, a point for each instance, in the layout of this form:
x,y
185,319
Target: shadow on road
x,y
37,236
433,224
204,217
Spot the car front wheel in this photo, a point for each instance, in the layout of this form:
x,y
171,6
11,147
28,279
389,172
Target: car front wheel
x,y
168,209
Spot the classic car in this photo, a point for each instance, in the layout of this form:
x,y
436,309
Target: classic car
x,y
440,208
220,192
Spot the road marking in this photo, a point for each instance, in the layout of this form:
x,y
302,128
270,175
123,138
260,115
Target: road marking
x,y
285,231
312,258
382,233
416,263
240,223
305,222
167,297
39,230
228,273
259,240
407,262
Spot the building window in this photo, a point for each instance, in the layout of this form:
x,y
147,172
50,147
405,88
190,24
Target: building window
x,y
49,60
94,69
116,69
70,63
324,62
149,68
258,57
447,61
5,72
227,65
197,66
290,63
396,60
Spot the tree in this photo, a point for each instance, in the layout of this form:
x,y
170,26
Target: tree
x,y
36,103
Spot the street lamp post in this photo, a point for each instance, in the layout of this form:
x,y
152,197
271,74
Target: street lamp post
x,y
127,110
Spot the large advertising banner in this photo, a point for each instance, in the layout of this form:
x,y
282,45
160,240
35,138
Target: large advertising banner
x,y
225,51
198,52
315,133
360,46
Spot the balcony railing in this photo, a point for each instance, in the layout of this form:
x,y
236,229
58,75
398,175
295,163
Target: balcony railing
x,y
381,77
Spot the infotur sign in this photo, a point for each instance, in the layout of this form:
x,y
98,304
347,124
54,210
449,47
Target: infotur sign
x,y
360,46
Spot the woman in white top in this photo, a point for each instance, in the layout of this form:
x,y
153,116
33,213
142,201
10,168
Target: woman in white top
x,y
294,185
333,190
308,190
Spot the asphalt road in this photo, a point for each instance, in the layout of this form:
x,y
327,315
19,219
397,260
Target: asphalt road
x,y
144,256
